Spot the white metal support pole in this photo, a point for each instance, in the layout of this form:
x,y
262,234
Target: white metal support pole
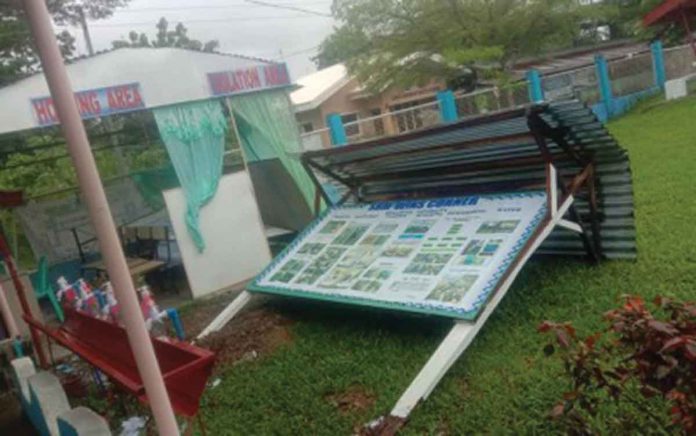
x,y
95,198
227,314
556,214
456,342
553,187
463,332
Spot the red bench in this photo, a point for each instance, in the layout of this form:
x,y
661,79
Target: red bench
x,y
185,367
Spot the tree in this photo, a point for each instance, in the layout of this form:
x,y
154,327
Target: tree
x,y
345,43
406,42
167,38
17,54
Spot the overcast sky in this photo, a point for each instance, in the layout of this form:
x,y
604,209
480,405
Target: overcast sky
x,y
241,27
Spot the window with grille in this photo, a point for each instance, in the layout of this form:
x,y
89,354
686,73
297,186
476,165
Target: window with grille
x,y
350,124
378,124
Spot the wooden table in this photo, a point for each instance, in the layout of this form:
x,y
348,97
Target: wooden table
x,y
137,266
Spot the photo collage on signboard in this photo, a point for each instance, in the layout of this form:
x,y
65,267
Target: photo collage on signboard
x,y
440,256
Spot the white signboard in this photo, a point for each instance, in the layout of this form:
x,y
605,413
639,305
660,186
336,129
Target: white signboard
x,y
236,246
440,256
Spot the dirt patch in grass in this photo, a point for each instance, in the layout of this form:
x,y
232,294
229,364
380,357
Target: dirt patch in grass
x,y
354,399
250,335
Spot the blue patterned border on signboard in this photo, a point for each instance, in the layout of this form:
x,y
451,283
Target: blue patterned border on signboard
x,y
418,307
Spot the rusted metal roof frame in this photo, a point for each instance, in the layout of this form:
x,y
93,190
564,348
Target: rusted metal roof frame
x,y
500,152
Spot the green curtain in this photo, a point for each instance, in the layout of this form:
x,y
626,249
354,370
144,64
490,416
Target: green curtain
x,y
152,182
194,134
267,128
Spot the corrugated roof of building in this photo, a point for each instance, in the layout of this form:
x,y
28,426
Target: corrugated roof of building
x,y
315,88
81,58
670,11
477,155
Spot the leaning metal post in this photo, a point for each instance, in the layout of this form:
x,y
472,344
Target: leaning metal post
x,y
100,214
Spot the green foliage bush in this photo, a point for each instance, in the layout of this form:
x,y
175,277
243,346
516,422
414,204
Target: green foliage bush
x,y
642,354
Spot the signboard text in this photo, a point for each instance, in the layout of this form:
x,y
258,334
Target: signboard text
x,y
248,79
92,103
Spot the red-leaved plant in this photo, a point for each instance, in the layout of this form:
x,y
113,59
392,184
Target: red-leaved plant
x,y
640,350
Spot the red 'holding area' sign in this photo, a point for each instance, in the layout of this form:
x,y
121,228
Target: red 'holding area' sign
x,y
93,103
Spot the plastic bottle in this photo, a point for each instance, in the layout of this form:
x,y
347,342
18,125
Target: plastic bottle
x,y
151,312
90,303
66,293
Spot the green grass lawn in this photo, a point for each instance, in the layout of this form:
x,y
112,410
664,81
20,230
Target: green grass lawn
x,y
503,383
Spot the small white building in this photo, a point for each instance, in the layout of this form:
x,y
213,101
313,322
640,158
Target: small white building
x,y
163,76
266,193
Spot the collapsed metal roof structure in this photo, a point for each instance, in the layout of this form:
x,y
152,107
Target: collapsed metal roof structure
x,y
558,149
499,152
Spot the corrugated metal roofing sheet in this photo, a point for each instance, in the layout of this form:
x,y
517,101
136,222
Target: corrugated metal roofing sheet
x,y
492,153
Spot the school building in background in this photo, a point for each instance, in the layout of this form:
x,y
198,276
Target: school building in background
x,y
333,90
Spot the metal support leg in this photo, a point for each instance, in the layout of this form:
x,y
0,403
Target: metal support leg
x,y
463,333
454,344
227,314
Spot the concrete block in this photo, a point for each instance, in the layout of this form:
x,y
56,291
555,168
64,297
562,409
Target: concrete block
x,y
48,401
82,421
22,369
675,88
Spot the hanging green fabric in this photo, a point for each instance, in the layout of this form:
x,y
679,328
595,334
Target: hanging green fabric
x,y
194,134
267,127
152,182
